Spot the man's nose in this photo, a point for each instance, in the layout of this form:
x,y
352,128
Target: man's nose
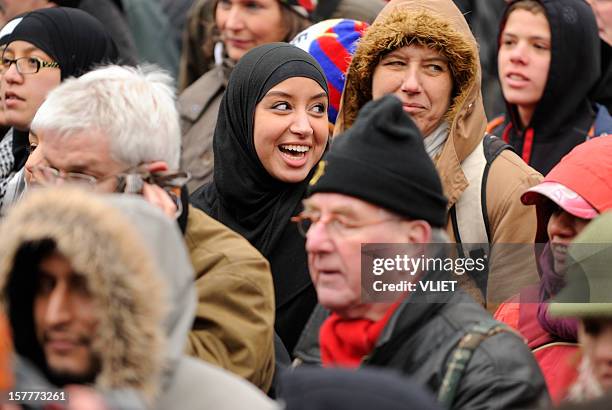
x,y
317,238
59,309
518,54
560,225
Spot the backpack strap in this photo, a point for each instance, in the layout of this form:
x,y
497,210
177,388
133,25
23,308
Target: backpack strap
x,y
461,356
469,215
493,147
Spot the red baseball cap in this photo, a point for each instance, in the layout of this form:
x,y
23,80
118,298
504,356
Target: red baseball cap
x,y
561,195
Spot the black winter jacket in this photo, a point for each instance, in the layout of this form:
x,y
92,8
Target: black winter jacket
x,y
420,339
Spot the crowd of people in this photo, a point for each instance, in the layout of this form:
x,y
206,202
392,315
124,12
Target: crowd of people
x,y
191,192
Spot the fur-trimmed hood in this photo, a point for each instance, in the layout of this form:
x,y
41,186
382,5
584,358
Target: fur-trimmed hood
x,y
438,23
134,261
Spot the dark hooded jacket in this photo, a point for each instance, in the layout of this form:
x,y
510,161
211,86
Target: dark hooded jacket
x,y
565,114
138,272
246,198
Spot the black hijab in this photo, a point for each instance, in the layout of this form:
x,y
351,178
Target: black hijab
x,y
243,195
74,39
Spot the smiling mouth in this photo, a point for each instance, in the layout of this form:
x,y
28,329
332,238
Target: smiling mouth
x,y
295,151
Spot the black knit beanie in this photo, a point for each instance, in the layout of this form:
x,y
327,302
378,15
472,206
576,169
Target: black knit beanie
x,y
382,160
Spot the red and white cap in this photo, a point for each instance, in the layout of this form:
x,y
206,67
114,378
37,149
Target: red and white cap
x,y
561,195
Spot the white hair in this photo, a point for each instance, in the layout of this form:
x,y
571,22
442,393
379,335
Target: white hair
x,y
135,107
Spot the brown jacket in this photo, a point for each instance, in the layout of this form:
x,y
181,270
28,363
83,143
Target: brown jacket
x,y
198,108
234,324
439,23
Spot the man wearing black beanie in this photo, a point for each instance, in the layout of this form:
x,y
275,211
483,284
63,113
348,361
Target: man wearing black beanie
x,y
377,185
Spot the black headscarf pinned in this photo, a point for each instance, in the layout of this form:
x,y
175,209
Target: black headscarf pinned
x,y
71,37
77,41
243,195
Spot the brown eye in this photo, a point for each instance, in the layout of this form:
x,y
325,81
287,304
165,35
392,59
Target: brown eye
x,y
45,284
282,106
319,109
32,63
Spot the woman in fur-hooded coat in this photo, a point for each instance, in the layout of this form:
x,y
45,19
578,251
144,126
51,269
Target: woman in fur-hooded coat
x,y
440,25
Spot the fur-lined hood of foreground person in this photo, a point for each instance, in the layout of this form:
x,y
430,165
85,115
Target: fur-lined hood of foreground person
x,y
138,272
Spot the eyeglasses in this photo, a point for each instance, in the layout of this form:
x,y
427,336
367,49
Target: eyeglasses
x,y
337,226
130,180
26,65
45,175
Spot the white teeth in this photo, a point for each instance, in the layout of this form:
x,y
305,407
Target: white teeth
x,y
296,148
516,77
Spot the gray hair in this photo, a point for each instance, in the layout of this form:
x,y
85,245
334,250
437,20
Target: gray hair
x,y
135,107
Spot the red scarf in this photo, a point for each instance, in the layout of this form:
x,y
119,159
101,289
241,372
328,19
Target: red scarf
x,y
345,342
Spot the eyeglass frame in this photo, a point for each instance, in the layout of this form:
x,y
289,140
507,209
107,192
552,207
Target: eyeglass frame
x,y
131,180
40,64
301,218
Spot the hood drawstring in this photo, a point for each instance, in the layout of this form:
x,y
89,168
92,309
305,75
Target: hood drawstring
x,y
528,140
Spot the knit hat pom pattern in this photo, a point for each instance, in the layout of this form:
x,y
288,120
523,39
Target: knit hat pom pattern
x,y
332,43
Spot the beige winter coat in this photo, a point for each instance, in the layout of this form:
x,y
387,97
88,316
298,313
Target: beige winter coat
x,y
198,107
440,24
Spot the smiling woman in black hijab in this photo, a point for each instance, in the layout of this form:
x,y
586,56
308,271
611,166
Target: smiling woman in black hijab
x,y
271,132
41,49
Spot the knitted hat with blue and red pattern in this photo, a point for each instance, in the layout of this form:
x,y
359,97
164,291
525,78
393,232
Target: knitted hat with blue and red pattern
x,y
332,43
304,8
